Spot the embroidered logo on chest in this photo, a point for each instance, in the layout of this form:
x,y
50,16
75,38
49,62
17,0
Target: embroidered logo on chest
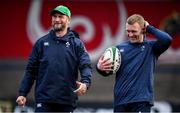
x,y
46,43
67,44
121,50
142,48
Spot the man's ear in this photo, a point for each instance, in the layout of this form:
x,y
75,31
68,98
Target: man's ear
x,y
144,28
69,20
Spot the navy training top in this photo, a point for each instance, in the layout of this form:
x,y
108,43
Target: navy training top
x,y
53,65
134,79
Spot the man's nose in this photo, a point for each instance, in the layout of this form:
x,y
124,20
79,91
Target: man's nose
x,y
130,34
57,19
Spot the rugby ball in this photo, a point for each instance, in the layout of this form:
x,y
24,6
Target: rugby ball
x,y
114,55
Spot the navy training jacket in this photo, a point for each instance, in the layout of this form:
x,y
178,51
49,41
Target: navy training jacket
x,y
53,65
134,79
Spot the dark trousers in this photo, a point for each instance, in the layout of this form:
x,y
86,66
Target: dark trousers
x,y
138,107
53,107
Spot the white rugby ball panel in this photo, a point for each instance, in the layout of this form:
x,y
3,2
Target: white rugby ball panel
x,y
113,54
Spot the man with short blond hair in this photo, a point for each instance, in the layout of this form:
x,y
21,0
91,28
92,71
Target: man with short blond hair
x,y
133,89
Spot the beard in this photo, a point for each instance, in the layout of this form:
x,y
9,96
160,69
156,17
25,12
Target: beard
x,y
59,27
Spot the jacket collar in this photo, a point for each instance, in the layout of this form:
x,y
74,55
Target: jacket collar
x,y
66,37
144,41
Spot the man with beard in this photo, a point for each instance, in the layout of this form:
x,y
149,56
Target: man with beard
x,y
133,89
54,64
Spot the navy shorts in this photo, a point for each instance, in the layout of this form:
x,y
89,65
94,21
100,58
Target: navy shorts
x,y
53,107
139,107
